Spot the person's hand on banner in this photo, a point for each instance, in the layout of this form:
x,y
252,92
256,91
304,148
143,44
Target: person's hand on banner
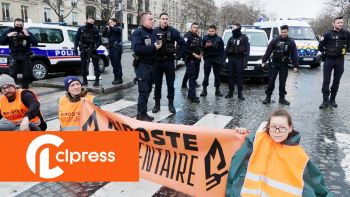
x,y
242,130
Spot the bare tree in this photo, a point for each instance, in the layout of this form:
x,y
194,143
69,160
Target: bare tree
x,y
57,5
105,9
339,8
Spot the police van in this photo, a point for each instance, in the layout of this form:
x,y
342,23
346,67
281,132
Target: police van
x,y
55,50
301,32
258,45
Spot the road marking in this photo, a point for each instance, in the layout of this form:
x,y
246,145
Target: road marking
x,y
14,188
343,142
142,188
162,114
214,121
118,105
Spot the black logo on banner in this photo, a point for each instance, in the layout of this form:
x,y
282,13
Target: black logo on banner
x,y
90,120
214,178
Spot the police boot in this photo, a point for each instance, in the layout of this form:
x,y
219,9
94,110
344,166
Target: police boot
x,y
117,80
240,96
229,94
204,91
156,107
218,92
332,101
85,81
144,117
283,101
96,83
267,99
171,106
325,102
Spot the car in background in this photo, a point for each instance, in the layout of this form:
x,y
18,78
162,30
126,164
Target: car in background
x,y
258,44
301,32
55,50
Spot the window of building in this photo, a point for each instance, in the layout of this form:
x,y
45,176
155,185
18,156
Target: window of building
x,y
5,11
61,15
74,18
47,14
90,11
275,32
24,12
47,35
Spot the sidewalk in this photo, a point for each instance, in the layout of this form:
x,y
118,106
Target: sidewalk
x,y
107,77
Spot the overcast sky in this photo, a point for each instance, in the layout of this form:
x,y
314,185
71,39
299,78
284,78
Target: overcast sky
x,y
289,8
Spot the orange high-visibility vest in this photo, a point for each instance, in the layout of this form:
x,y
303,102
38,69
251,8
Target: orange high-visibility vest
x,y
15,111
274,169
69,113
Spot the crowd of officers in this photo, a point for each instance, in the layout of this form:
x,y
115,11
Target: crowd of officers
x,y
154,50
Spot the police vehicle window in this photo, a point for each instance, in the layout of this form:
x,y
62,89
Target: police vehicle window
x,y
301,33
257,39
275,32
268,31
43,35
71,35
3,29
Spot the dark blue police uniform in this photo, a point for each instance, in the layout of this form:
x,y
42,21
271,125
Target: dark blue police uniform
x,y
165,64
88,39
143,43
334,45
282,49
213,58
237,51
193,45
20,53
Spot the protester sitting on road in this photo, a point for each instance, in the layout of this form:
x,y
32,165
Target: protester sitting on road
x,y
19,108
69,105
272,163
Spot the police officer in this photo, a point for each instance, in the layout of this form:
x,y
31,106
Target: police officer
x,y
114,34
19,40
165,61
88,39
194,54
145,45
237,51
213,58
282,48
194,31
335,44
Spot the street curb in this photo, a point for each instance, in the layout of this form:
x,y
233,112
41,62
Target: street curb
x,y
90,88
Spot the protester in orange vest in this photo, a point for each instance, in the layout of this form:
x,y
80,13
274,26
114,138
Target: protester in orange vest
x,y
272,163
19,109
69,105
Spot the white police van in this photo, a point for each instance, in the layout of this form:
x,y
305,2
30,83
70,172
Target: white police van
x,y
301,32
258,45
55,50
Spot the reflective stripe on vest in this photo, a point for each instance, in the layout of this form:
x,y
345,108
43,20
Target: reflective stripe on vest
x,y
15,111
274,169
69,113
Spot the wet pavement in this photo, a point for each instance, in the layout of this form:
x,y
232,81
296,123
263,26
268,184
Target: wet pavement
x,y
325,133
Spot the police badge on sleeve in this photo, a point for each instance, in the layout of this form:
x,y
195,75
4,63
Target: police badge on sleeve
x,y
148,41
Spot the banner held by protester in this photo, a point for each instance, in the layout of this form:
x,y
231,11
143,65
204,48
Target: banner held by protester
x,y
190,159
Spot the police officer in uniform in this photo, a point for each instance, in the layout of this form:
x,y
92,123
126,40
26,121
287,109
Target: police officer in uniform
x,y
165,61
194,54
114,34
88,39
213,58
19,40
237,51
335,44
282,48
145,45
194,30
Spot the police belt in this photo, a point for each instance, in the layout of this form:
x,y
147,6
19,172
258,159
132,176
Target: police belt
x,y
147,61
165,58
